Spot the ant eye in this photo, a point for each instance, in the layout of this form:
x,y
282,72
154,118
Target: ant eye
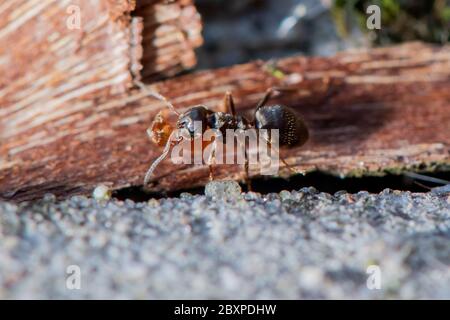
x,y
184,123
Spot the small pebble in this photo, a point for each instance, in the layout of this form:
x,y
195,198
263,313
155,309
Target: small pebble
x,y
102,193
186,195
441,190
153,202
252,196
223,190
285,195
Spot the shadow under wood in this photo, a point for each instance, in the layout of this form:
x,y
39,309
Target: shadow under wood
x,y
321,181
347,125
332,119
342,123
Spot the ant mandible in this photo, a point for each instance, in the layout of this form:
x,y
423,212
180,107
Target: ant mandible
x,y
293,131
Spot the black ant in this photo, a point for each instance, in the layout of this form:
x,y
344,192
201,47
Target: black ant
x,y
292,129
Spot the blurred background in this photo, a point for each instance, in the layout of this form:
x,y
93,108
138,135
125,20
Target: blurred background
x,y
237,31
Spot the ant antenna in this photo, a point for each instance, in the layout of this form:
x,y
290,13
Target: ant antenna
x,y
422,177
422,185
164,154
157,96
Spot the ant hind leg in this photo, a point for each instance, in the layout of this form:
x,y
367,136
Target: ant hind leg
x,y
287,165
211,158
248,182
246,168
265,98
270,93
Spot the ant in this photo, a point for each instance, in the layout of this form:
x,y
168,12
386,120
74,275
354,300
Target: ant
x,y
293,131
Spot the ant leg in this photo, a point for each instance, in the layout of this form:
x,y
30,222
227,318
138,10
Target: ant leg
x,y
211,173
290,167
267,96
287,165
229,102
423,177
246,167
422,185
227,105
212,156
164,154
247,176
270,92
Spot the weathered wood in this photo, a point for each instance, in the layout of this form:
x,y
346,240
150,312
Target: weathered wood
x,y
369,111
171,32
49,57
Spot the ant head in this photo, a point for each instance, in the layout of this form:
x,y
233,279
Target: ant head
x,y
160,130
192,119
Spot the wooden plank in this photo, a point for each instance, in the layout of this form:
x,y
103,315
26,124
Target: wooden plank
x,y
49,62
369,111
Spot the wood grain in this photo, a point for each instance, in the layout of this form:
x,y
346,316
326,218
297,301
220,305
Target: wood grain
x,y
369,112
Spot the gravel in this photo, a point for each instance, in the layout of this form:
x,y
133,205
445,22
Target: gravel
x,y
298,244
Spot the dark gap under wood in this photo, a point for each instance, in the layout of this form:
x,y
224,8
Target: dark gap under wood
x,y
321,181
370,112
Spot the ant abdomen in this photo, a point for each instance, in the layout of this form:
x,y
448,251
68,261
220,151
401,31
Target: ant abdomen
x,y
292,129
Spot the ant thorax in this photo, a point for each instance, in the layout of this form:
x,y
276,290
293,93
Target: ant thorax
x,y
223,121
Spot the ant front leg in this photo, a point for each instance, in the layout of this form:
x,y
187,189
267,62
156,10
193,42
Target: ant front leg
x,y
228,104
